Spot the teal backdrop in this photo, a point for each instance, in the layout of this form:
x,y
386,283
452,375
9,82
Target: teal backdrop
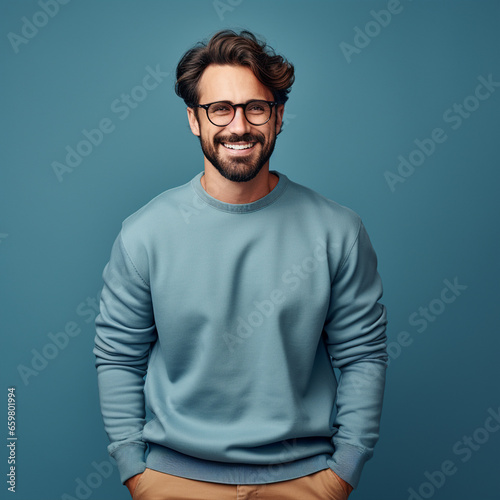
x,y
394,113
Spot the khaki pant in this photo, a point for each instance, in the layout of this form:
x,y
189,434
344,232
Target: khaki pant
x,y
322,485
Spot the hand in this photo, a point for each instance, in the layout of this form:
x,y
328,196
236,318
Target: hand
x,y
131,483
347,487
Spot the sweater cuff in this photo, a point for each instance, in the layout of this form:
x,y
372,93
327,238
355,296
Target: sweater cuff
x,y
130,459
347,462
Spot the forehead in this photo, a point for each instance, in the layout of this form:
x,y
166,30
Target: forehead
x,y
231,83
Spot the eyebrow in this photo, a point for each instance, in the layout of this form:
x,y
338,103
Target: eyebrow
x,y
249,100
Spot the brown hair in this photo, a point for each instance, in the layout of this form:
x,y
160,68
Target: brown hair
x,y
243,49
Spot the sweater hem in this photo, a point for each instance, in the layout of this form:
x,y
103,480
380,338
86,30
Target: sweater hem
x,y
172,462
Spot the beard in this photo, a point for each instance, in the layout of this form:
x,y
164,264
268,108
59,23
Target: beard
x,y
238,169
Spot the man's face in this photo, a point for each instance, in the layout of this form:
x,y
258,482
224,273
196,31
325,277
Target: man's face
x,y
236,84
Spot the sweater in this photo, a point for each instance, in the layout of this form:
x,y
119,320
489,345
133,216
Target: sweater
x,y
226,321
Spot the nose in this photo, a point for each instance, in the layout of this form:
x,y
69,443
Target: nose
x,y
239,124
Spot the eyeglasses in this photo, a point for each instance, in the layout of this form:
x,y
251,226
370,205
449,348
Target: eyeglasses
x,y
221,113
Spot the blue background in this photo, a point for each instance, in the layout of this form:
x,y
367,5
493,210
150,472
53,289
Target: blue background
x,y
348,119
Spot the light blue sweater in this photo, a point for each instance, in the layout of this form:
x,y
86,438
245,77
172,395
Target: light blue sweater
x,y
238,314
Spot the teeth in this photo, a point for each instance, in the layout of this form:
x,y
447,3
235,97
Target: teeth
x,y
238,146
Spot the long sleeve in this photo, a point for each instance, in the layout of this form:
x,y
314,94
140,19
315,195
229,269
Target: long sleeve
x,y
125,332
355,337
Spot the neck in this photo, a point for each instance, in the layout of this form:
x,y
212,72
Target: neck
x,y
228,191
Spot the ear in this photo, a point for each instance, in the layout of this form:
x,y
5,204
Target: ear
x,y
193,121
280,111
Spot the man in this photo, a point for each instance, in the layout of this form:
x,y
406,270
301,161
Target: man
x,y
234,296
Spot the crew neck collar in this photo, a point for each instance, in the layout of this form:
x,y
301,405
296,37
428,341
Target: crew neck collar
x,y
241,207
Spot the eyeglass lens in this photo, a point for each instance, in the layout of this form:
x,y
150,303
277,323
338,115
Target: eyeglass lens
x,y
256,112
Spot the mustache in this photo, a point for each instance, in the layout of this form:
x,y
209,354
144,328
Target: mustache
x,y
240,138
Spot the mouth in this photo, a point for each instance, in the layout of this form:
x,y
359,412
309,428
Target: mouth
x,y
239,146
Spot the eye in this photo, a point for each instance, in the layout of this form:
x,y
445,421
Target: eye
x,y
258,108
220,108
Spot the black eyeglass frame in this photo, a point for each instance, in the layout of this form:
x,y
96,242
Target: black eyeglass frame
x,y
234,106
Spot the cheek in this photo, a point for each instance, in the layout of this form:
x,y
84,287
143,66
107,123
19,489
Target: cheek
x,y
210,140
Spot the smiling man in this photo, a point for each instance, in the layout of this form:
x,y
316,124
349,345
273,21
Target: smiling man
x,y
227,304
238,136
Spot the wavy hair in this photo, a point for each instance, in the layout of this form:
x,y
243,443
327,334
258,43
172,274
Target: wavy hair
x,y
243,49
